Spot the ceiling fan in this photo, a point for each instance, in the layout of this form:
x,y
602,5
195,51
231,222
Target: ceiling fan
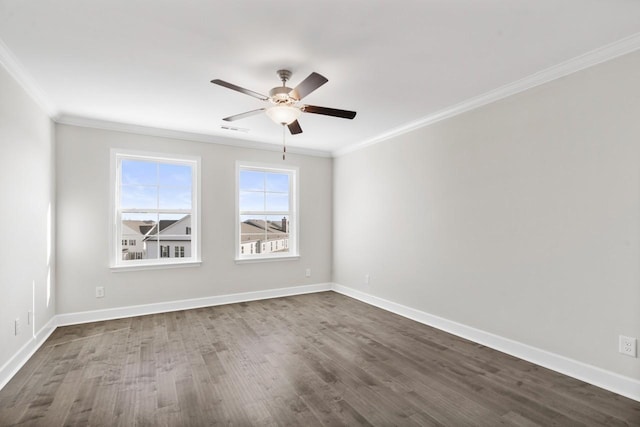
x,y
285,102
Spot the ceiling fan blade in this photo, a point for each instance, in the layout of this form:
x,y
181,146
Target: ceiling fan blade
x,y
345,114
308,85
294,127
243,115
239,89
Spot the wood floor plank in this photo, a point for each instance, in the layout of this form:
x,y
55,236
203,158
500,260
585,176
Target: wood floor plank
x,y
309,360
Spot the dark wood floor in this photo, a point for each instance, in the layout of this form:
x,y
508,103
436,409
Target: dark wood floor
x,y
319,359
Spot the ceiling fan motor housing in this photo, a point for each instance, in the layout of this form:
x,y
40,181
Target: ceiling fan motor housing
x,y
280,95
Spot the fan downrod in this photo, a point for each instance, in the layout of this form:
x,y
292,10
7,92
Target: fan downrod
x,y
284,75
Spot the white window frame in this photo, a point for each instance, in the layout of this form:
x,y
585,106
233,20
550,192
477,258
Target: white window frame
x,y
294,237
115,249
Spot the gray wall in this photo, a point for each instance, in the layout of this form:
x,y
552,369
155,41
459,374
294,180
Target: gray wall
x,y
26,195
521,218
83,157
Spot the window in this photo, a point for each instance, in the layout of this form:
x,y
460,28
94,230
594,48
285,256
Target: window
x,y
164,251
155,206
179,252
266,212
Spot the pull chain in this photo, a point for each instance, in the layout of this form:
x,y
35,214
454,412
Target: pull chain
x,y
284,146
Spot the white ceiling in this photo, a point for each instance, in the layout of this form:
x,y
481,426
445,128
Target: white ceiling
x,y
149,63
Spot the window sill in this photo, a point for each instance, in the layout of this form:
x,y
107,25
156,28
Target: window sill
x,y
136,267
267,259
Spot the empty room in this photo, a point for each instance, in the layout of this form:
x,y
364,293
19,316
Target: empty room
x,y
343,212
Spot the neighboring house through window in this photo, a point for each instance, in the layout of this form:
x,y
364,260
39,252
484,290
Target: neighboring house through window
x,y
267,220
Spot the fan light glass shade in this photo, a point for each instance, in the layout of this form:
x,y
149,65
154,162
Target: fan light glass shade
x,y
283,115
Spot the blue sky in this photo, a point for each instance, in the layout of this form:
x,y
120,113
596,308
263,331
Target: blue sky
x,y
152,185
260,191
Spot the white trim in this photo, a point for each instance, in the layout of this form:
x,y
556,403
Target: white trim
x,y
294,209
116,156
607,380
243,140
267,259
17,71
22,356
589,59
164,307
155,266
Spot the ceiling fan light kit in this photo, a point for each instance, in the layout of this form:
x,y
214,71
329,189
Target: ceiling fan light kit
x,y
283,114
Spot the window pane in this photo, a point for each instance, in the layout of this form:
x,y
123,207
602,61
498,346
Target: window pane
x,y
251,201
277,234
252,227
248,238
252,224
175,175
251,180
173,233
138,197
175,197
277,201
278,223
139,172
138,227
277,182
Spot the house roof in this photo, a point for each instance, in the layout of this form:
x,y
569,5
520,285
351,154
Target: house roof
x,y
165,227
258,229
149,229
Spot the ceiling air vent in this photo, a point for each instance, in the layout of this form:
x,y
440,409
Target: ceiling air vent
x,y
225,127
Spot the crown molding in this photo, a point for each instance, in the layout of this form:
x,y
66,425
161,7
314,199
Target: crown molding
x,y
19,74
66,119
589,59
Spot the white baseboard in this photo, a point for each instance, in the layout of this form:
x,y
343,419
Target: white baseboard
x,y
607,380
9,369
187,304
611,381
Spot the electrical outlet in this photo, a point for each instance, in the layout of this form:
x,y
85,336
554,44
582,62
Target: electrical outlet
x,y
367,279
99,291
16,326
307,273
29,317
627,346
